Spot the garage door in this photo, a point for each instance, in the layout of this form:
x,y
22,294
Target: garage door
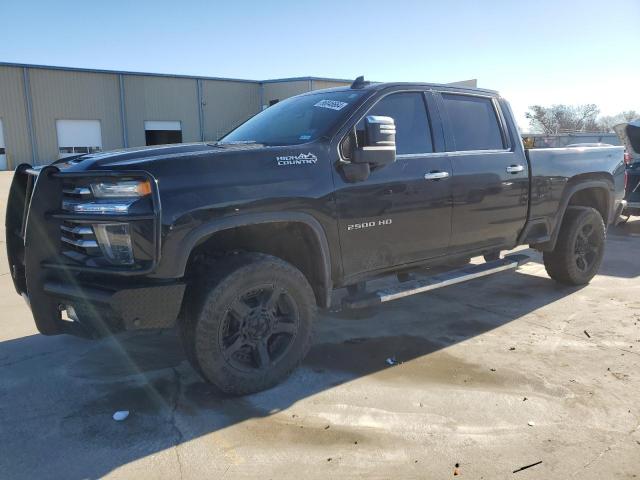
x,y
76,137
162,132
3,153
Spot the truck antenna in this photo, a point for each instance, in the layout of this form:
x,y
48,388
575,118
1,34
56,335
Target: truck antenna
x,y
359,82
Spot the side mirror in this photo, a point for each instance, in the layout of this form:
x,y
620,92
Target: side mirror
x,y
380,142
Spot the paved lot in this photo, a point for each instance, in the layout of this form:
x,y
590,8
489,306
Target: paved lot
x,y
495,375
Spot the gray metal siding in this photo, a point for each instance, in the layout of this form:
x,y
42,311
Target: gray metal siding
x,y
321,84
161,98
226,105
286,89
58,95
282,90
14,117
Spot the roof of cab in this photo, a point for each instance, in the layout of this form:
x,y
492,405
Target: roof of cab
x,y
384,85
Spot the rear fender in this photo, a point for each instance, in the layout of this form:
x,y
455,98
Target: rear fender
x,y
574,186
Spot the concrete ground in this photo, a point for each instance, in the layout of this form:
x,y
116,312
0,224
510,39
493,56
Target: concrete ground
x,y
495,375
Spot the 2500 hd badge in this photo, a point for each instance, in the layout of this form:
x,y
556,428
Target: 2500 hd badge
x,y
360,226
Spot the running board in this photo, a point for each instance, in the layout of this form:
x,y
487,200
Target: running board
x,y
369,299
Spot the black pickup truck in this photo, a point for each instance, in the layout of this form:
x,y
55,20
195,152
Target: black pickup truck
x,y
239,241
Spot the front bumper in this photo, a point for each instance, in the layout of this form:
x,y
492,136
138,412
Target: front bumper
x,y
115,299
114,308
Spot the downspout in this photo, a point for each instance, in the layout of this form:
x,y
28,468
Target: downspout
x,y
29,108
123,113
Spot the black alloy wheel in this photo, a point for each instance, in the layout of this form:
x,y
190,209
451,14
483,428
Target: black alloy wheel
x,y
259,328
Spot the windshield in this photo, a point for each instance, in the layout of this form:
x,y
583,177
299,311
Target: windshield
x,y
295,120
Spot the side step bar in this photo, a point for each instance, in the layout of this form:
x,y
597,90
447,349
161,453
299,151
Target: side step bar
x,y
369,299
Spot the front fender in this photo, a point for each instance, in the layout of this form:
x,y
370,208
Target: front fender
x,y
176,252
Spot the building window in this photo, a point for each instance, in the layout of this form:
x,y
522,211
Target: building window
x,y
162,132
78,137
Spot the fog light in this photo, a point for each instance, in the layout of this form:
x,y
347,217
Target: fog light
x,y
115,242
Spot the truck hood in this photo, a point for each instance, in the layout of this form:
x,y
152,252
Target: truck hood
x,y
131,158
235,163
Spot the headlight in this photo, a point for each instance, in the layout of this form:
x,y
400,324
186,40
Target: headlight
x,y
109,197
122,213
106,208
114,240
125,189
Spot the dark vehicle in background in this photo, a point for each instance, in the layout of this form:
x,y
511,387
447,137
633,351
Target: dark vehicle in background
x,y
629,134
239,241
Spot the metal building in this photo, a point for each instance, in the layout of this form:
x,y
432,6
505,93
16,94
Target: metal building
x,y
48,113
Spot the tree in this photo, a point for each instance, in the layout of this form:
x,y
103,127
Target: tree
x,y
564,118
607,123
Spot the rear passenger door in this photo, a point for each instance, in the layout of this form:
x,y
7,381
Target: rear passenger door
x,y
397,216
490,181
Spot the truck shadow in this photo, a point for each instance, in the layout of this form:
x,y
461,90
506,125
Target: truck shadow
x,y
623,245
73,386
630,228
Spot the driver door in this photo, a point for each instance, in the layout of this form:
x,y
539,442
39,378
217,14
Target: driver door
x,y
401,213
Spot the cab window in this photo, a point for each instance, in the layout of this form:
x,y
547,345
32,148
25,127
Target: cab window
x,y
409,112
474,122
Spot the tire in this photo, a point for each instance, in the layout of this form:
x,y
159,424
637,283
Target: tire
x,y
578,253
248,324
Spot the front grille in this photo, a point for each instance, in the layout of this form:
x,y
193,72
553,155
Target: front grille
x,y
77,238
73,194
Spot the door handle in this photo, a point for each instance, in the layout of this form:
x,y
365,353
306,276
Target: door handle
x,y
515,168
436,175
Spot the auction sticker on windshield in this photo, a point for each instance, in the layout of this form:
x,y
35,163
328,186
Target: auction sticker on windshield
x,y
332,104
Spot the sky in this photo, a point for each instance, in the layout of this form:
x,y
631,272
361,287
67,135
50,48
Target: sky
x,y
541,52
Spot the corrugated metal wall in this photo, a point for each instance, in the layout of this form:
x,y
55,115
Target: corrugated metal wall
x,y
320,84
72,95
13,113
161,98
279,90
282,90
227,104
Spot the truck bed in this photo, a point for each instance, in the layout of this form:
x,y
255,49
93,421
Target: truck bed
x,y
554,171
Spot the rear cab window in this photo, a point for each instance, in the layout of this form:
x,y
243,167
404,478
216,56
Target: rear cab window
x,y
473,121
